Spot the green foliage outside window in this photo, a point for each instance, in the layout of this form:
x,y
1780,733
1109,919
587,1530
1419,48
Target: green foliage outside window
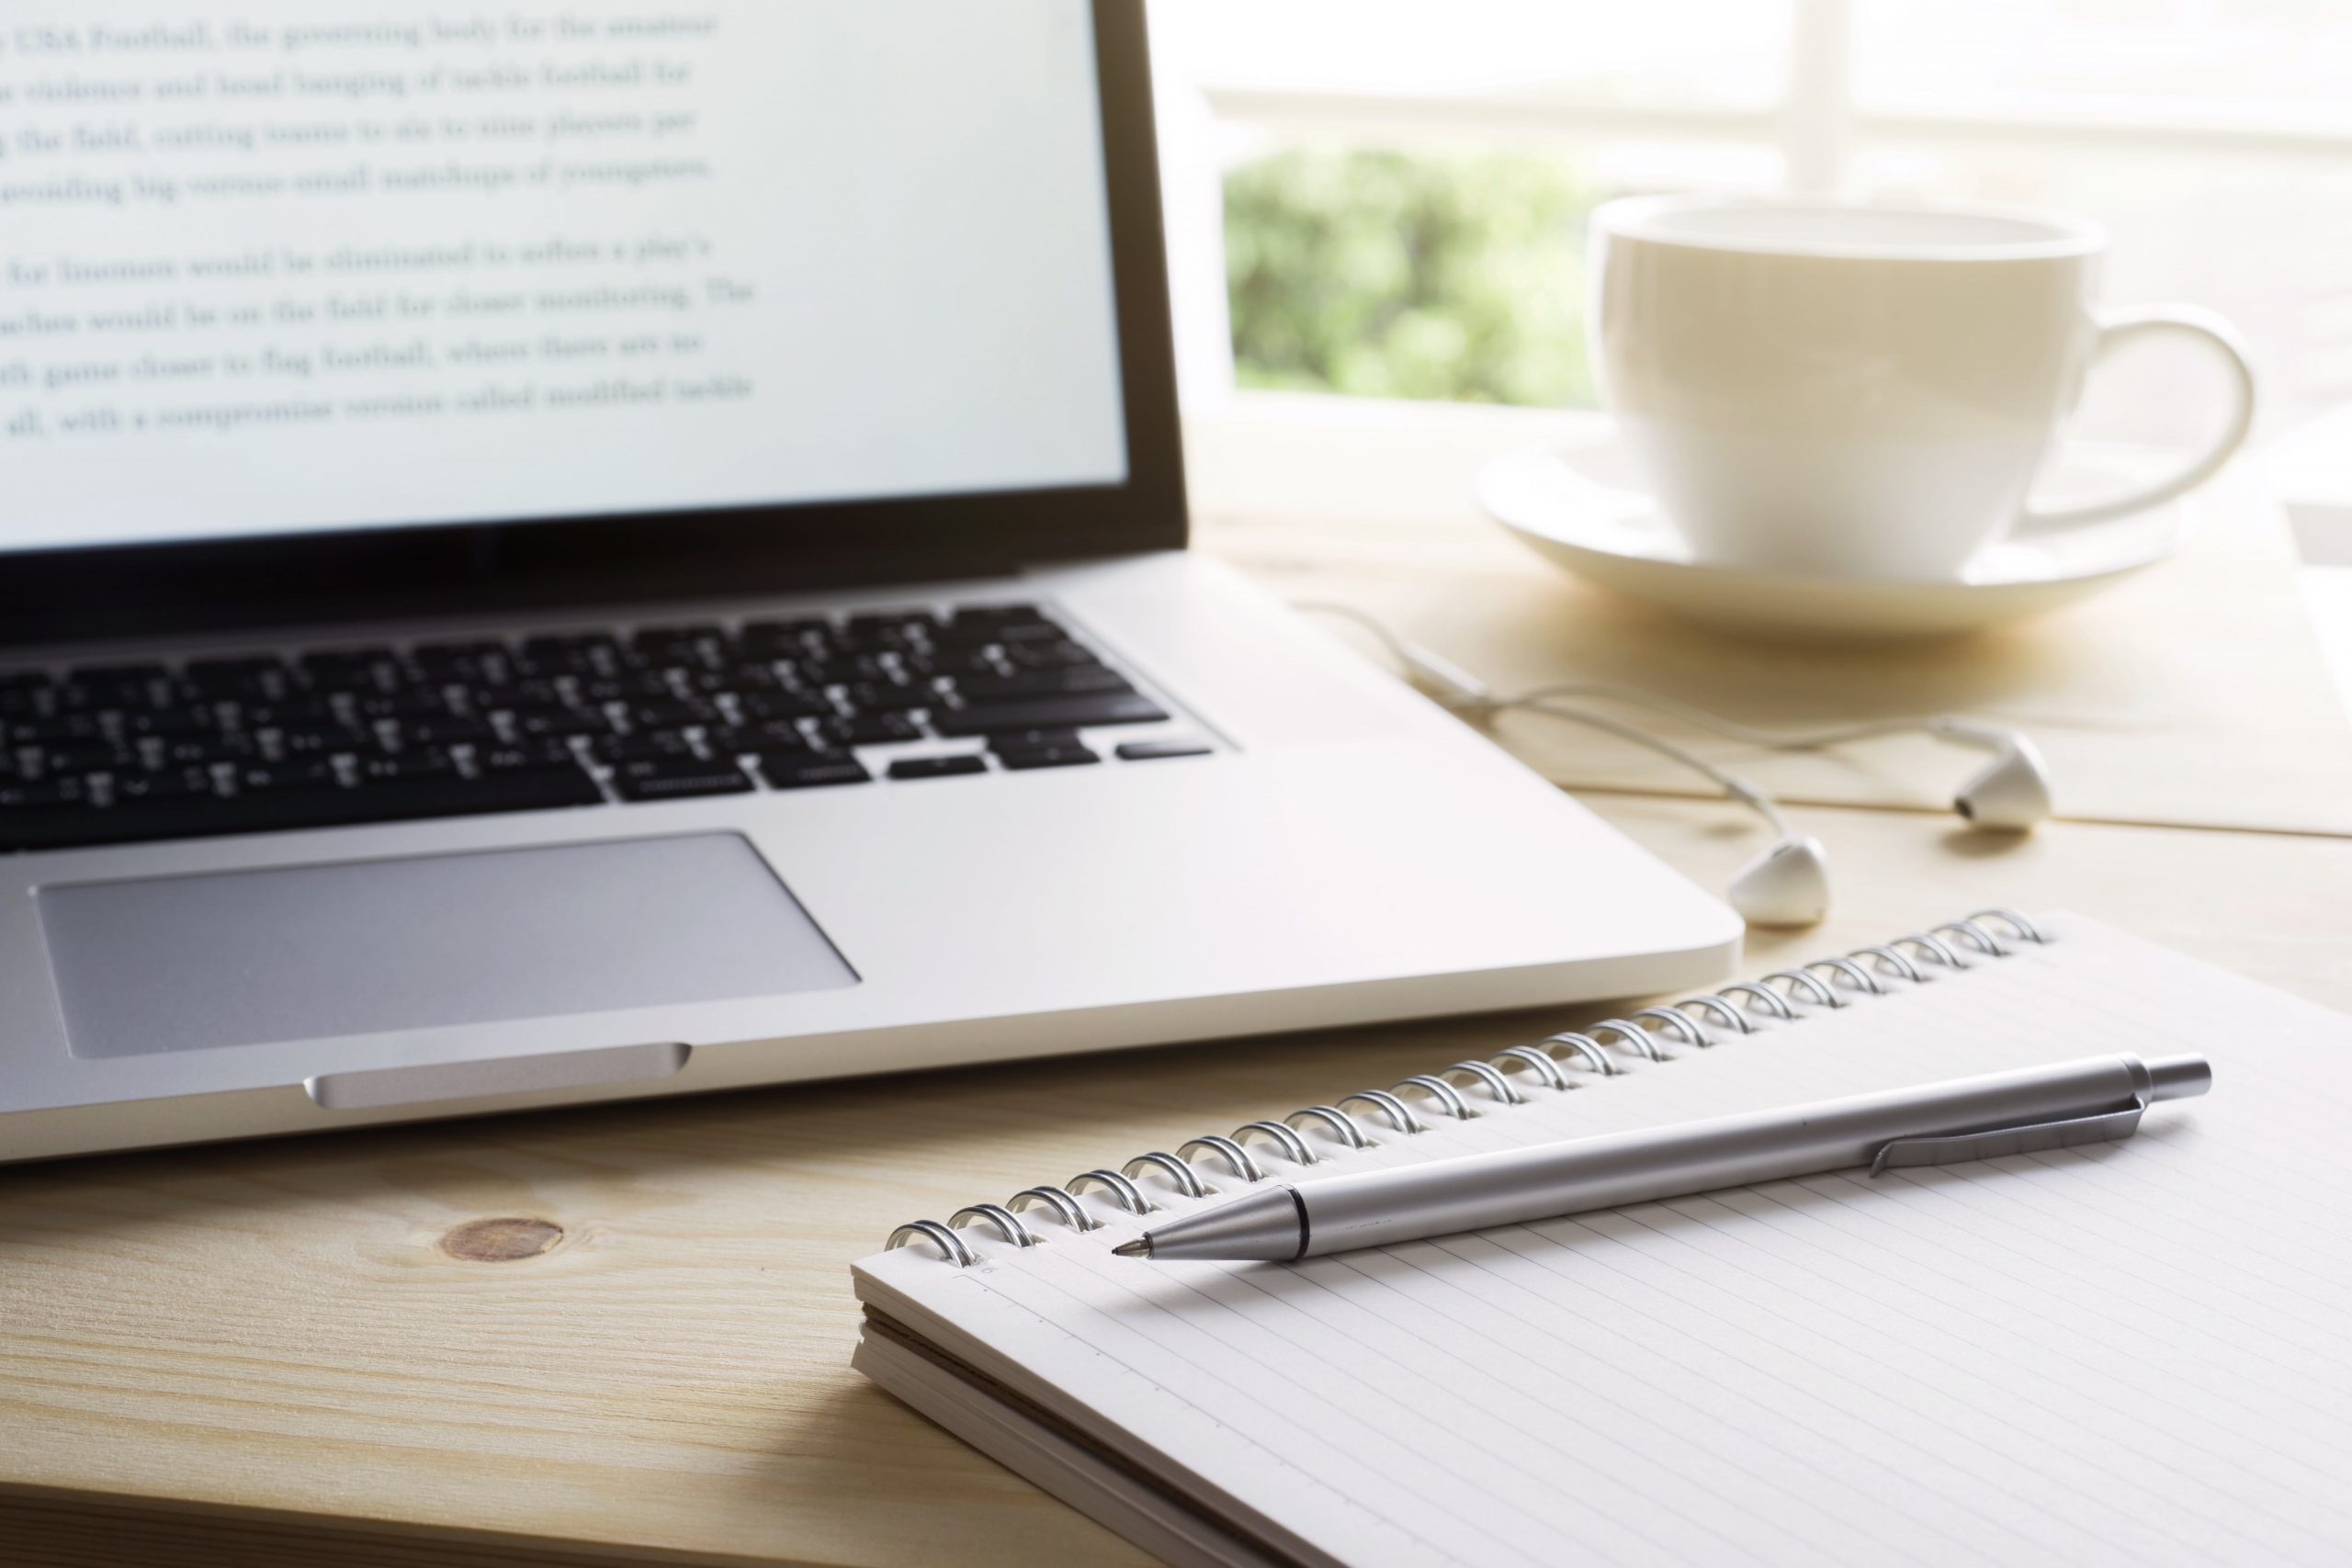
x,y
1451,276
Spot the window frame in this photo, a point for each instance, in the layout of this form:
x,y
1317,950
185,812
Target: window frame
x,y
1817,125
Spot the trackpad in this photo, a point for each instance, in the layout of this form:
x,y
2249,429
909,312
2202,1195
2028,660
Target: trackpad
x,y
305,952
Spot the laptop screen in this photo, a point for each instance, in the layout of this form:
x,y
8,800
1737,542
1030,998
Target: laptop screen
x,y
299,266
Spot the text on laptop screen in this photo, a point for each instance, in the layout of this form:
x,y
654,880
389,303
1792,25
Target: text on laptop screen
x,y
302,264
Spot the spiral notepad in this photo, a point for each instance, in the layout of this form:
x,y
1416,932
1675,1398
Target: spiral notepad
x,y
2120,1352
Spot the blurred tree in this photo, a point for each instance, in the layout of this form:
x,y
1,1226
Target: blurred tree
x,y
1384,274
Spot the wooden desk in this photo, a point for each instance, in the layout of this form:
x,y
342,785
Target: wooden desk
x,y
623,1334
267,1353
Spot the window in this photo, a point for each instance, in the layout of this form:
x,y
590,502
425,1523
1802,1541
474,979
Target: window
x,y
1386,199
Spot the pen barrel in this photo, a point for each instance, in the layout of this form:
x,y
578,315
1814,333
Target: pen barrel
x,y
1378,1208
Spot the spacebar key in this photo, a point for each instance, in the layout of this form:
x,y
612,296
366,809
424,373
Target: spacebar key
x,y
507,789
201,816
1047,713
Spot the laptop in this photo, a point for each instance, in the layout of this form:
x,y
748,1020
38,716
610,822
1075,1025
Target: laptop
x,y
647,555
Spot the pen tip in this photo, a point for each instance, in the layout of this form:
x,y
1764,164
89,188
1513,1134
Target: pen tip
x,y
1139,1247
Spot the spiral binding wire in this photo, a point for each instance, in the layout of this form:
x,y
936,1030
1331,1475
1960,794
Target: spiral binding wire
x,y
1559,1063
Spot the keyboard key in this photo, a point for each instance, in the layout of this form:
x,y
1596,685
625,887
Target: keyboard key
x,y
160,722
677,778
271,778
289,713
531,694
952,662
26,701
938,767
1047,713
874,729
983,614
557,723
1065,681
734,677
680,645
627,686
514,789
1016,634
1154,750
117,677
199,751
396,766
341,668
477,658
887,696
873,634
327,741
1025,758
774,734
648,745
172,784
445,731
1047,653
522,756
842,670
408,703
84,757
233,667
669,713
783,638
28,795
71,699
559,647
1032,740
966,639
62,730
785,704
974,627
585,664
811,770
254,676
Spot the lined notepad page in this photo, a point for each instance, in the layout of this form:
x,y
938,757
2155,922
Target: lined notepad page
x,y
2131,1352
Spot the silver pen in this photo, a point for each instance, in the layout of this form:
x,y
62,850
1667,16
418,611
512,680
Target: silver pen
x,y
2090,1101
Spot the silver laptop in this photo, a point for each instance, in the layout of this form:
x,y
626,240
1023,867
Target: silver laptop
x,y
680,586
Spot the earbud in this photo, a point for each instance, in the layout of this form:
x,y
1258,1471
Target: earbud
x,y
1787,885
2012,791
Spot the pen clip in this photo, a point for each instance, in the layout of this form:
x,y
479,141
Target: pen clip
x,y
2024,1138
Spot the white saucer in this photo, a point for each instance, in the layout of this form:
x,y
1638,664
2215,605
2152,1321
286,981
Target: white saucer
x,y
1581,506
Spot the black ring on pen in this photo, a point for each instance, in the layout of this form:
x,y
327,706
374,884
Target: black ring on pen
x,y
1304,1230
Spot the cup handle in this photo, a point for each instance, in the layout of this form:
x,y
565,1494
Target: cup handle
x,y
2119,327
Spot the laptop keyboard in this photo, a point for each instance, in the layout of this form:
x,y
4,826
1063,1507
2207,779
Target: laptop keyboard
x,y
120,753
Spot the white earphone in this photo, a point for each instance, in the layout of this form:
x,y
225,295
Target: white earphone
x,y
1788,884
2012,790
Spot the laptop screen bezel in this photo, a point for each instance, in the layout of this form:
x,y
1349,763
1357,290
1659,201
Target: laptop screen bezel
x,y
144,591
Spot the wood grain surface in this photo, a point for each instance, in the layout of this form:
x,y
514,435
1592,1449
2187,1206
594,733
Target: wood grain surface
x,y
622,1334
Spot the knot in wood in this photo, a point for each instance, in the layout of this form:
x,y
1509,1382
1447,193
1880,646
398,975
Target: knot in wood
x,y
501,1240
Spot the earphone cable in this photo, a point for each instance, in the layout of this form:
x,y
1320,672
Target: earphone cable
x,y
1464,693
1700,718
1732,784
1788,884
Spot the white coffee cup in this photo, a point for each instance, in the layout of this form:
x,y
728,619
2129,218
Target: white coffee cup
x,y
1863,391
